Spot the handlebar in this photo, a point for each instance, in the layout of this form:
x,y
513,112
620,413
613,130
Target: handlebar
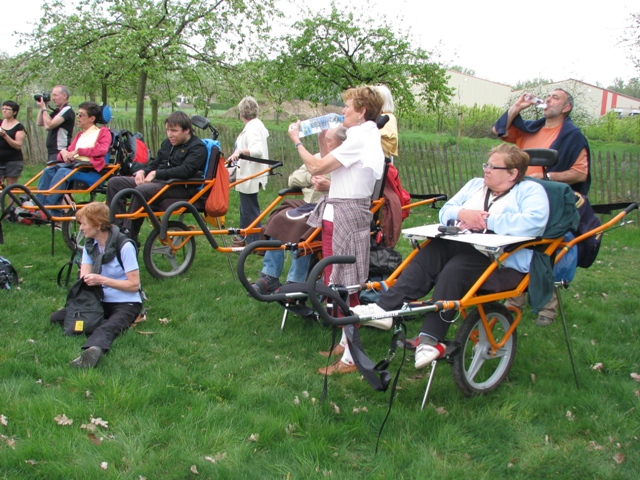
x,y
248,250
315,301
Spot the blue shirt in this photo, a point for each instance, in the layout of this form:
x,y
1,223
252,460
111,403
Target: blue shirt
x,y
114,271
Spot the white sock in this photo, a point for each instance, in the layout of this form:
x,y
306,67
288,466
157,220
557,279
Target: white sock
x,y
346,356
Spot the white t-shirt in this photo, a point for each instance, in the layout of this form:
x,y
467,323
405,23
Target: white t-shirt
x,y
363,161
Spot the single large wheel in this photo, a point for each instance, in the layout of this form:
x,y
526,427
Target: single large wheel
x,y
172,256
71,234
477,369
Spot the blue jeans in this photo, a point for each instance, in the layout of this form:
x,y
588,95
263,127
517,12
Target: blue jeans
x,y
273,263
51,176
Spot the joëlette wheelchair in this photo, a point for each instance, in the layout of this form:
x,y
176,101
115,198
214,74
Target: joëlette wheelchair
x,y
170,247
292,297
485,344
85,184
311,244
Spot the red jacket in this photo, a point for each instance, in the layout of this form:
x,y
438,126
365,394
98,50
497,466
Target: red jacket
x,y
96,153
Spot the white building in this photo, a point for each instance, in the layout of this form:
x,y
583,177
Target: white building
x,y
596,101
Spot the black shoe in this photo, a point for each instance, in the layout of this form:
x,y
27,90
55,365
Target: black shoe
x,y
88,359
266,284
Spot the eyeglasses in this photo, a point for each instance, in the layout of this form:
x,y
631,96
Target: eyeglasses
x,y
488,166
80,115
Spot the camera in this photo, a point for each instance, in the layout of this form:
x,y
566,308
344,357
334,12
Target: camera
x,y
45,97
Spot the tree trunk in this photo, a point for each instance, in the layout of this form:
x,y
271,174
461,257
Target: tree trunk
x,y
154,123
104,93
142,86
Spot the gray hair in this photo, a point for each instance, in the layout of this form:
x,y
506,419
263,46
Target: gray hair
x,y
248,108
388,106
569,99
340,132
64,90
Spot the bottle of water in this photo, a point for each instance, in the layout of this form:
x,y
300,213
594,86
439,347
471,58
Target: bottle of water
x,y
539,103
315,125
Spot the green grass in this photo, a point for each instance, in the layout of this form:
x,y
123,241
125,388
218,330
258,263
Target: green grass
x,y
221,371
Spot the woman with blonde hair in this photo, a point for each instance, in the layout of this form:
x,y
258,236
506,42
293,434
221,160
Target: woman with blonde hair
x,y
118,275
345,214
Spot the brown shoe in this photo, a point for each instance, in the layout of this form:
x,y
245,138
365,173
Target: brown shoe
x,y
338,350
337,367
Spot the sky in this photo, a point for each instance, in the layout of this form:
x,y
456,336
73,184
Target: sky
x,y
504,42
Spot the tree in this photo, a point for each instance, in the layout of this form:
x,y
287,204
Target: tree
x,y
632,39
139,40
632,88
341,50
535,83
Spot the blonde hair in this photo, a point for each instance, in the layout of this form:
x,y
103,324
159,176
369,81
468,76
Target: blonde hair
x,y
367,98
95,214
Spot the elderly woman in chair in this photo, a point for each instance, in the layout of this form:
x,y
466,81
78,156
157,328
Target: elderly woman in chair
x,y
503,202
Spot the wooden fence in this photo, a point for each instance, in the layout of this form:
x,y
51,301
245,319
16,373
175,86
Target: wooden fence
x,y
423,167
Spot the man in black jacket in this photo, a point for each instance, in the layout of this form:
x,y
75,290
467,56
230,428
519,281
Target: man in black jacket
x,y
182,155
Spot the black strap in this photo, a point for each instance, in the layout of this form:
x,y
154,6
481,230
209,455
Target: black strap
x,y
74,260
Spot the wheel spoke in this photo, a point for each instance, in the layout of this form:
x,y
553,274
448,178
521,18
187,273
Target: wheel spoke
x,y
476,361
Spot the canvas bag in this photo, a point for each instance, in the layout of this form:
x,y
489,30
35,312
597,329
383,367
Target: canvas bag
x,y
217,202
84,310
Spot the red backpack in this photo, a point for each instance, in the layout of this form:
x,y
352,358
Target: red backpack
x,y
393,180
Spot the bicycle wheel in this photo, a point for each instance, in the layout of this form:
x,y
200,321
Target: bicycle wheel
x,y
477,369
172,256
71,234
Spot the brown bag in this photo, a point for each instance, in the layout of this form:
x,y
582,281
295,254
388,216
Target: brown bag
x,y
217,202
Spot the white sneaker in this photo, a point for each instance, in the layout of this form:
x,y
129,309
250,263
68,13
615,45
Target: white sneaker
x,y
370,310
425,354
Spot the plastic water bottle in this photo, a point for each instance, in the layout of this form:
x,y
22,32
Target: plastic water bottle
x,y
315,125
539,103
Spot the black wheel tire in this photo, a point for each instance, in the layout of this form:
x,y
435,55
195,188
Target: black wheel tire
x,y
71,234
476,371
161,260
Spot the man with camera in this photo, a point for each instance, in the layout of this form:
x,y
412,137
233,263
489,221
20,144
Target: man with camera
x,y
59,123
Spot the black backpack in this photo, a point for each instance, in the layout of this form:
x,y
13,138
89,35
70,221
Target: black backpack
x,y
8,275
589,247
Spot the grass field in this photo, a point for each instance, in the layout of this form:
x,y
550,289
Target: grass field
x,y
209,384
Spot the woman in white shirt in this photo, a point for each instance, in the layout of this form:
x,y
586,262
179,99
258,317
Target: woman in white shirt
x,y
252,141
345,214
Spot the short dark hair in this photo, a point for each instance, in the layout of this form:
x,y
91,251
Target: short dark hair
x,y
14,106
93,110
179,119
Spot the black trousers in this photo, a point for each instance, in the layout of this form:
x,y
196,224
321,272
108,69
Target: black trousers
x,y
147,190
249,211
117,318
450,268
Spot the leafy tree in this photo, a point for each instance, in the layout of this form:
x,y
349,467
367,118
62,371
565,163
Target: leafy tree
x,y
340,50
632,88
532,84
133,41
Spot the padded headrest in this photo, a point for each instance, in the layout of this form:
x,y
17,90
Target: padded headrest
x,y
106,114
542,157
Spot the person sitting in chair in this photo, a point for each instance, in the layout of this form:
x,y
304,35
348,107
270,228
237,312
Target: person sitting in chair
x,y
91,144
503,202
182,155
